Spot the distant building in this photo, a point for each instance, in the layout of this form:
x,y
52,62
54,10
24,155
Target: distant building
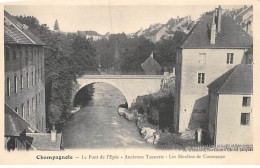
x,y
231,122
215,45
151,66
24,85
93,35
180,24
245,19
139,32
107,35
156,34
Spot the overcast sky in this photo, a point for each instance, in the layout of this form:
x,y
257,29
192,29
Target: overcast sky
x,y
116,19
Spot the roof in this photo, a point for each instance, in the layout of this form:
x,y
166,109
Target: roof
x,y
150,32
250,8
17,33
42,141
238,80
15,125
150,62
230,36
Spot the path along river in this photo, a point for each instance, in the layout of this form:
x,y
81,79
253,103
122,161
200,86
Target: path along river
x,y
98,124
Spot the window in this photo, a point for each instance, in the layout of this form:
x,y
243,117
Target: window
x,y
245,118
16,110
42,124
39,98
23,110
28,106
8,86
201,77
41,73
36,102
32,54
32,78
32,104
246,101
7,54
21,82
21,54
15,84
38,74
26,56
35,79
202,58
230,58
14,55
27,78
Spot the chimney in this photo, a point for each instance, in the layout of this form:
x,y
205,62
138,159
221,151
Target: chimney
x,y
213,30
151,55
219,18
53,134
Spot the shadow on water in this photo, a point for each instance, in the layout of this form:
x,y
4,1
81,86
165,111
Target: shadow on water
x,y
84,96
97,124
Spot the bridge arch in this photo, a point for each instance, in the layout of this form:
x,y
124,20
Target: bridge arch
x,y
131,86
89,83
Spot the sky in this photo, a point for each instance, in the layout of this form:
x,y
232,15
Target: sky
x,y
103,19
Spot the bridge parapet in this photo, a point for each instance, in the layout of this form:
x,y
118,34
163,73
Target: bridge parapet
x,y
122,77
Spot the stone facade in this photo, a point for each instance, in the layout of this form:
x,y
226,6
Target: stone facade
x,y
229,114
193,96
215,45
25,82
157,35
24,79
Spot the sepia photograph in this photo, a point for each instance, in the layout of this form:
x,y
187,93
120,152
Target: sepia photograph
x,y
144,77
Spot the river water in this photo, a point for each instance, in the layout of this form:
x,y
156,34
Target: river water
x,y
98,124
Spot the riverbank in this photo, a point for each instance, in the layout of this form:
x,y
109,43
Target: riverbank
x,y
98,125
153,115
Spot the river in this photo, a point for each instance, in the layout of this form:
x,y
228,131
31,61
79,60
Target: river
x,y
98,124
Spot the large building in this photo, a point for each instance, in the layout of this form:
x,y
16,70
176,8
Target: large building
x,y
215,45
232,120
24,73
25,116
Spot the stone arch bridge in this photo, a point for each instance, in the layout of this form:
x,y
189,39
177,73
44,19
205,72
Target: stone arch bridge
x,y
131,86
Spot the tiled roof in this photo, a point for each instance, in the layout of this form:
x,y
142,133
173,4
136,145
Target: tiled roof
x,y
42,141
14,33
238,80
14,124
150,62
150,32
230,36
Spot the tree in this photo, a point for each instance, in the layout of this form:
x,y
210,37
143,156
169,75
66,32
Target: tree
x,y
56,26
84,56
166,49
135,57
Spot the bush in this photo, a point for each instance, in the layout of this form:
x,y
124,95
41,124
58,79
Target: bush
x,y
158,109
173,141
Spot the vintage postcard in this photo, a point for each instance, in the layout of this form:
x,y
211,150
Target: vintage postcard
x,y
129,82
